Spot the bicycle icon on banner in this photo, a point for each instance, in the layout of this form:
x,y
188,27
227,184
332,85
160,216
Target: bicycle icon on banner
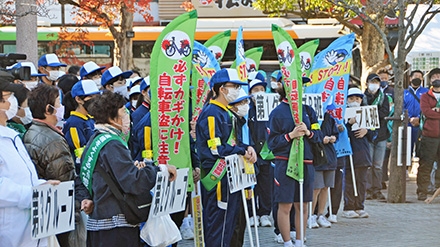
x,y
171,48
285,58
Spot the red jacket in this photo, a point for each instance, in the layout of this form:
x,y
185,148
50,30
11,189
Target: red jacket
x,y
431,127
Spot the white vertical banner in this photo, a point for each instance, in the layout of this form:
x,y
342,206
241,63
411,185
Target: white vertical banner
x,y
265,103
53,209
314,100
241,173
366,117
169,197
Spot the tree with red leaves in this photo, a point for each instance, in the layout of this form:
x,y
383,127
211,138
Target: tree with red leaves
x,y
117,16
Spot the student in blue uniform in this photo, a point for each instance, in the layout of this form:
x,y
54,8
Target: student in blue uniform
x,y
80,125
114,80
143,106
282,131
360,144
133,95
216,140
257,130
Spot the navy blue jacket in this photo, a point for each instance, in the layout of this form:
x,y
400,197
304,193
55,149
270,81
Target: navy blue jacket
x,y
223,128
360,147
139,113
329,128
384,110
281,123
258,132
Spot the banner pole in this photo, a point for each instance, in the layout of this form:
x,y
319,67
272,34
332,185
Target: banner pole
x,y
254,211
246,214
330,210
353,176
301,210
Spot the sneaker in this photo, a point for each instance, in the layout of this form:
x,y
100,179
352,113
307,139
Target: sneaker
x,y
293,235
186,233
279,239
252,221
332,218
421,197
350,214
379,196
311,223
323,222
362,214
265,221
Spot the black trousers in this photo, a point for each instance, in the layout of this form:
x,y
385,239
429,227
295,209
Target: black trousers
x,y
429,152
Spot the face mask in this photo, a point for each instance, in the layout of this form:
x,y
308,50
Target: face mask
x,y
353,104
258,94
31,84
125,127
27,119
416,82
373,87
242,110
134,103
13,108
383,84
122,90
53,75
87,104
232,94
98,82
274,85
59,112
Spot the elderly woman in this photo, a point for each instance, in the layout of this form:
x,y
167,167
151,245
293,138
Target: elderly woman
x,y
107,224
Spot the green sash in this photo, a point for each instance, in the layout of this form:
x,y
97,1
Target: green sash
x,y
217,172
91,157
378,101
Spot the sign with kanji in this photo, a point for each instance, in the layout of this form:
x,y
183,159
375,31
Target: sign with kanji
x,y
53,209
240,173
226,8
314,100
265,103
367,117
169,86
169,197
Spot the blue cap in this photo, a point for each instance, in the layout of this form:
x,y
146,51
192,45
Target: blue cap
x,y
89,68
256,82
256,75
275,73
34,71
84,88
113,72
226,75
241,96
50,60
145,83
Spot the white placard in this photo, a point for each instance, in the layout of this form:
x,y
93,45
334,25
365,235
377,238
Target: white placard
x,y
238,176
53,209
314,100
265,103
169,197
366,117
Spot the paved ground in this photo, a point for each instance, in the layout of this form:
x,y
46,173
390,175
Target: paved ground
x,y
390,225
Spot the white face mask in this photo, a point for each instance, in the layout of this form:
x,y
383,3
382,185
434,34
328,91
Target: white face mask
x,y
98,82
122,90
274,84
30,84
125,127
353,104
232,94
13,108
134,103
59,112
373,87
53,75
27,119
242,110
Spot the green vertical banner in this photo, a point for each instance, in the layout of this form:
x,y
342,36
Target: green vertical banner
x,y
217,44
306,56
240,58
169,86
253,58
291,69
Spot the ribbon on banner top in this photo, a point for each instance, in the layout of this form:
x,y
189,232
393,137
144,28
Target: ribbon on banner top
x,y
330,77
291,69
169,78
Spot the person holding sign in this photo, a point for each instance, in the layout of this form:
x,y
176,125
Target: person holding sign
x,y
17,175
282,130
107,224
375,96
360,143
216,139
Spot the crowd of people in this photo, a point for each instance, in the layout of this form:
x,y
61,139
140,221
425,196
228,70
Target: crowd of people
x,y
49,123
